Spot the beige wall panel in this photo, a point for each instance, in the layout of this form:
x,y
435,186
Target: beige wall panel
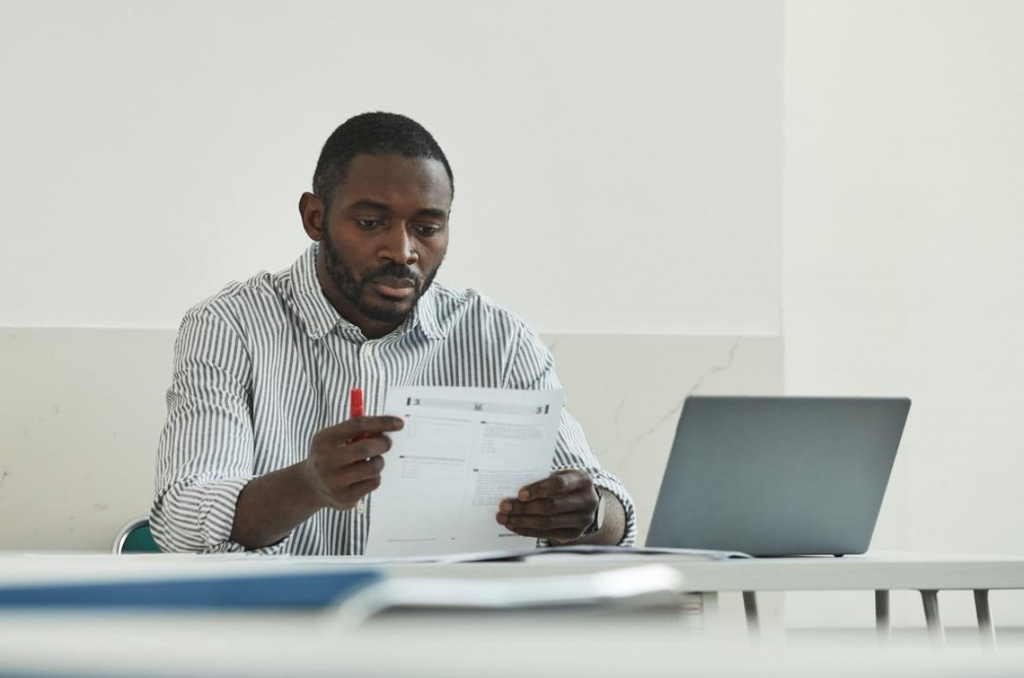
x,y
81,411
80,415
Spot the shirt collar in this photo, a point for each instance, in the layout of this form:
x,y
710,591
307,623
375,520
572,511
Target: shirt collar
x,y
424,315
320,318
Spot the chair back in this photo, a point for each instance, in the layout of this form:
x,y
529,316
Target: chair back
x,y
135,537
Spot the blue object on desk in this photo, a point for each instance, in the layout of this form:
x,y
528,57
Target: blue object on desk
x,y
254,592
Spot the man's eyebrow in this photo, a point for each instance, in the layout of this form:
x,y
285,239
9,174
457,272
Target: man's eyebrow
x,y
432,213
383,208
370,205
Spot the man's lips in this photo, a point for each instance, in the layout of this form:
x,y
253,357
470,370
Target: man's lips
x,y
399,288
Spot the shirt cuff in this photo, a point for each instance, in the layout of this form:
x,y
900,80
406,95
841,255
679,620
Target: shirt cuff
x,y
215,515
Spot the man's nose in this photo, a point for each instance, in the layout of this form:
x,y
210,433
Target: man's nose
x,y
399,245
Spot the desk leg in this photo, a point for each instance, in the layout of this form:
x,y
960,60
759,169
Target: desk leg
x,y
750,607
883,628
930,598
988,635
711,617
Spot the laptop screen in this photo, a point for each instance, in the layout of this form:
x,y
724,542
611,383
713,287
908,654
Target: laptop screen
x,y
778,475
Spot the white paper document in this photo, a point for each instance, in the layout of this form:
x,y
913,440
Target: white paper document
x,y
461,452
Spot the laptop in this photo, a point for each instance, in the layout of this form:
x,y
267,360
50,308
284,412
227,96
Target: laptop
x,y
777,476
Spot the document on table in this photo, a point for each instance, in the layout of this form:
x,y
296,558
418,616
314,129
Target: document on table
x,y
461,452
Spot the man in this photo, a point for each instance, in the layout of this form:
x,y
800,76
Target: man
x,y
257,454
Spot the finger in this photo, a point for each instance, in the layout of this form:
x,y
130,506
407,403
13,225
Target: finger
x,y
559,482
357,472
563,521
345,486
335,457
357,426
556,536
578,502
347,498
364,449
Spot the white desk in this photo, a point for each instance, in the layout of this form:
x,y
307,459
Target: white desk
x,y
190,647
257,645
880,573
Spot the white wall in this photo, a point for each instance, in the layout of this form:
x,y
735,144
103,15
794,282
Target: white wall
x,y
904,249
904,269
618,182
628,156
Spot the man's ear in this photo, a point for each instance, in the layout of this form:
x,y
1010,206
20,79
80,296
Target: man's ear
x,y
311,208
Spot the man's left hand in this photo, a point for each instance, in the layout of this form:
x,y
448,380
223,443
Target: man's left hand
x,y
559,508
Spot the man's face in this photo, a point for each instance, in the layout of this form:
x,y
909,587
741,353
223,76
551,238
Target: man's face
x,y
383,238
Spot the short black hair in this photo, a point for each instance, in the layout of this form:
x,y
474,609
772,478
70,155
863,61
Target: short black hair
x,y
374,133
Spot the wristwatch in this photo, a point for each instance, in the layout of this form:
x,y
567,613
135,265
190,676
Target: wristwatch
x,y
598,516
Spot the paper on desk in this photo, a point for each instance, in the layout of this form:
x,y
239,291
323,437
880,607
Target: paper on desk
x,y
461,452
594,551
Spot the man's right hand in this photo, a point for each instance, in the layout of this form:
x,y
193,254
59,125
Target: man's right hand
x,y
343,466
345,460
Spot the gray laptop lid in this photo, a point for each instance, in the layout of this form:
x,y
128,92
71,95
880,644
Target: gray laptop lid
x,y
773,476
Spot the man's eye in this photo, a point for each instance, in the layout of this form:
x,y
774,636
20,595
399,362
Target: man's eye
x,y
368,224
426,229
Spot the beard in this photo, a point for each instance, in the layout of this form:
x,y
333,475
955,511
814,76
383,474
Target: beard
x,y
353,289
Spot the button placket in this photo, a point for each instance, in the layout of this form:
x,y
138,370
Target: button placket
x,y
366,354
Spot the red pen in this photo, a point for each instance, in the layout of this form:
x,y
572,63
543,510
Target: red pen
x,y
355,403
355,408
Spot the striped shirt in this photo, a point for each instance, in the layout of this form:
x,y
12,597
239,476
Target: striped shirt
x,y
264,364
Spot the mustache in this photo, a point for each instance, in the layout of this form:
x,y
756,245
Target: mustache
x,y
395,270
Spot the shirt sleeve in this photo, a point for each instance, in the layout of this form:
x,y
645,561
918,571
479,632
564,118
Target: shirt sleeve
x,y
533,367
206,451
